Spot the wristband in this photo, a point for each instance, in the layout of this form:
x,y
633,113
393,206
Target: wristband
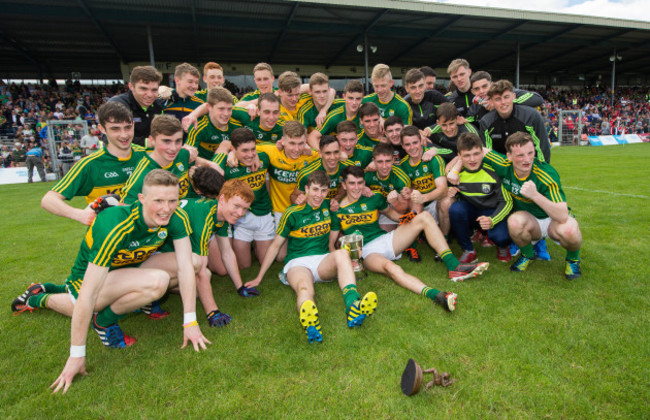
x,y
189,317
455,172
77,351
191,324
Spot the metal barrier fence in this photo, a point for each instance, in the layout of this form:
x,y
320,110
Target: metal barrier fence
x,y
62,133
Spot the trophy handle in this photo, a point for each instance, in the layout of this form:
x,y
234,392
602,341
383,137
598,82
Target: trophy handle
x,y
443,379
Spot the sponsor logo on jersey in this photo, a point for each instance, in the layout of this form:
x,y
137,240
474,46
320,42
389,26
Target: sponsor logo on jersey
x,y
127,257
312,230
209,146
349,220
286,177
424,184
134,244
256,181
111,174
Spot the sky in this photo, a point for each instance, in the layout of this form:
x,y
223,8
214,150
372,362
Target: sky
x,y
623,9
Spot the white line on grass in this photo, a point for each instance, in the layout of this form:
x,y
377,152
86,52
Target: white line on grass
x,y
607,192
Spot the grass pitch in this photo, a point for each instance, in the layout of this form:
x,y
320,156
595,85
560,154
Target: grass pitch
x,y
525,345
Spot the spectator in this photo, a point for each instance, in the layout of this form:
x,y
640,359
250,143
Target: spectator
x,y
90,142
18,154
66,157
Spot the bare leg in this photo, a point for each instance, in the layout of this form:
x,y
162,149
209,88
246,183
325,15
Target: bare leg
x,y
337,264
423,222
260,249
378,264
215,264
243,252
523,228
302,282
204,288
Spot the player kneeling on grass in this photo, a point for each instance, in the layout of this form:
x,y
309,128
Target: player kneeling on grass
x,y
540,204
207,216
233,202
483,202
359,213
116,273
307,227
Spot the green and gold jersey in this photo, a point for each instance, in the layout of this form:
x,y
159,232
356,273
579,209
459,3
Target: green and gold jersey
x,y
98,174
179,167
307,230
363,139
544,176
202,95
396,106
362,156
423,174
292,114
253,95
257,180
202,213
396,180
334,117
207,137
362,216
119,237
335,178
283,174
262,135
308,112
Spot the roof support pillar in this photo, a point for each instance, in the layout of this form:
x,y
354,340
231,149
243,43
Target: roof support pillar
x,y
517,68
152,60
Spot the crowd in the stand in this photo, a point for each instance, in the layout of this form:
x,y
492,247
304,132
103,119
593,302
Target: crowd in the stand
x,y
26,108
629,115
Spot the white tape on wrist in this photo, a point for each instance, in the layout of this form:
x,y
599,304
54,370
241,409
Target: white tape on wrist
x,y
189,317
77,351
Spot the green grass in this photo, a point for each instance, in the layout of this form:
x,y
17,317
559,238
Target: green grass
x,y
521,346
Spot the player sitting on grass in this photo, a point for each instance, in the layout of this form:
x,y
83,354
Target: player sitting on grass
x,y
380,248
306,227
482,202
539,203
116,273
207,216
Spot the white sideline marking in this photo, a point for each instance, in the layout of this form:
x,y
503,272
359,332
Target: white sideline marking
x,y
607,192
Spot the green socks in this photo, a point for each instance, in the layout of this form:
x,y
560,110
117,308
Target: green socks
x,y
107,317
449,259
54,288
528,251
39,301
429,292
573,255
350,294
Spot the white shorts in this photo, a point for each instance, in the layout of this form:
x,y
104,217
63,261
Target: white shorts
x,y
383,220
70,295
543,225
276,217
382,246
432,208
311,262
254,228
